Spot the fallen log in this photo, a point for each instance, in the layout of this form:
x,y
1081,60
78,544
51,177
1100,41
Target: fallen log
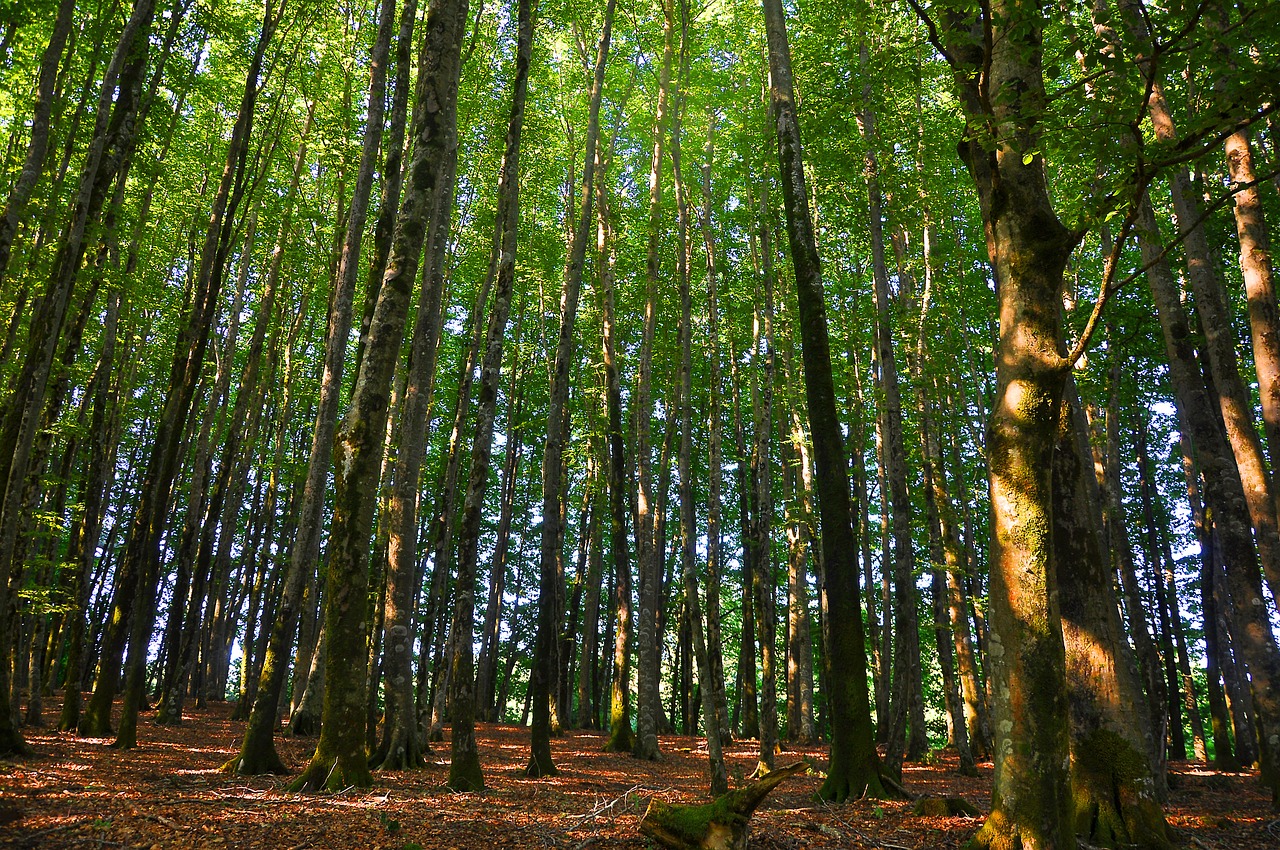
x,y
721,824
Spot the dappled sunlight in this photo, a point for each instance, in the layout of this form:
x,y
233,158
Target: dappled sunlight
x,y
169,793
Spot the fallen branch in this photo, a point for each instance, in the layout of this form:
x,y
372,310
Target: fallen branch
x,y
719,825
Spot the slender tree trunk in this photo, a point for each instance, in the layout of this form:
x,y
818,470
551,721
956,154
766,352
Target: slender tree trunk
x,y
715,459
340,758
551,553
854,768
621,738
487,665
648,556
257,751
41,113
1259,285
398,748
464,770
1214,313
109,147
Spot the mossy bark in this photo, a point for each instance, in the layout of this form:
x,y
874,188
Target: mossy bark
x,y
1114,793
1029,248
722,824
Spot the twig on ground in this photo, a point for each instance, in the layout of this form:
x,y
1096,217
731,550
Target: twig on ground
x,y
612,808
31,839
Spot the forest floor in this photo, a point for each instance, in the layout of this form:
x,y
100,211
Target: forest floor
x,y
168,793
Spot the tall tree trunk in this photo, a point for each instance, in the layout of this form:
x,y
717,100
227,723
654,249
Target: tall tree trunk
x,y
257,750
551,552
1029,248
487,664
648,556
113,138
715,459
340,758
1225,495
855,766
621,738
906,714
399,746
142,554
464,769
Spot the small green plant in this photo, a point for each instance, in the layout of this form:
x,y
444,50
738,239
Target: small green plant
x,y
390,824
412,845
101,823
877,812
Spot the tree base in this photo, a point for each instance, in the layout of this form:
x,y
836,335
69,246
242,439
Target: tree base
x,y
399,754
621,740
304,724
257,762
465,774
332,775
722,824
13,744
840,788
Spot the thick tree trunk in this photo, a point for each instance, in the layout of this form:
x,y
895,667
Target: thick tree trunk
x,y
854,769
1029,248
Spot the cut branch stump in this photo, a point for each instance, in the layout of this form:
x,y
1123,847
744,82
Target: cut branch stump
x,y
721,824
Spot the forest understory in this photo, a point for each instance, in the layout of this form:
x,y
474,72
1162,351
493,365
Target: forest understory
x,y
168,792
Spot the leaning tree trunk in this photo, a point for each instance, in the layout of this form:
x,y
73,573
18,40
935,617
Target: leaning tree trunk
x,y
112,141
142,553
855,765
551,552
340,759
464,769
41,113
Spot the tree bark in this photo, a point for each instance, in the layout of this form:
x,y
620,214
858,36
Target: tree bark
x,y
854,768
340,759
1029,248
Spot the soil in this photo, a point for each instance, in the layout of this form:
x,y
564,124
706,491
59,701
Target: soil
x,y
168,793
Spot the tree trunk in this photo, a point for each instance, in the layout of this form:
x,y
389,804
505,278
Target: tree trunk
x,y
854,768
906,714
257,751
464,770
551,553
648,556
1029,248
340,759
